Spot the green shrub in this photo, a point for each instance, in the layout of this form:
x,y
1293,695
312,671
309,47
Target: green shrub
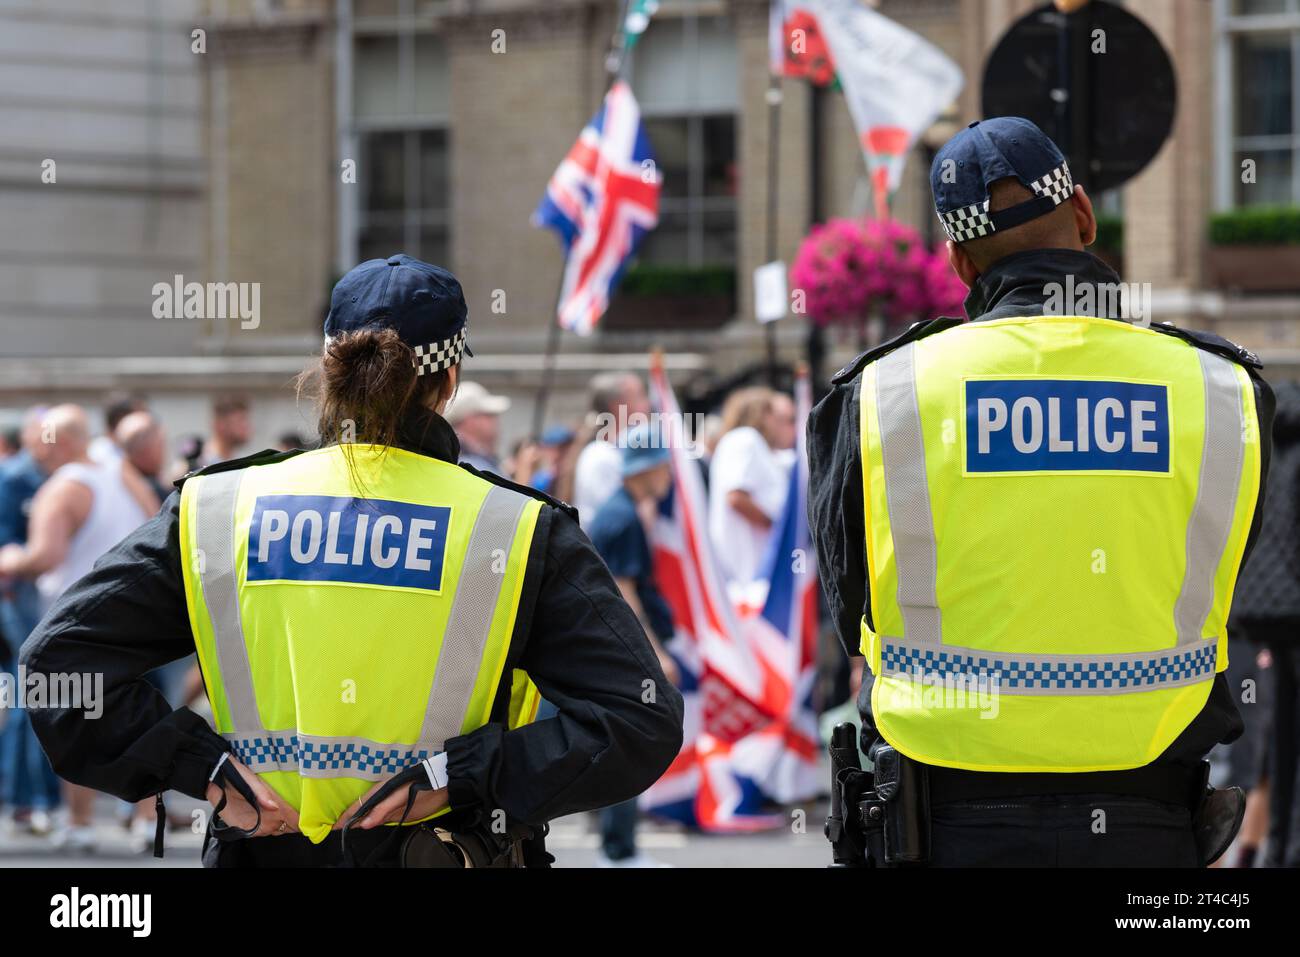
x,y
1256,226
1110,233
646,280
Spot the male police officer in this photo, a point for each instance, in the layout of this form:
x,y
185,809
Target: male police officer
x,y
368,616
1034,523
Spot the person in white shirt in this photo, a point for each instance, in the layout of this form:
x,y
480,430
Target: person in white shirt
x,y
749,479
615,397
83,510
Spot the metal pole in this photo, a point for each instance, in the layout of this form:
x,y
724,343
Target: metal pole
x,y
774,98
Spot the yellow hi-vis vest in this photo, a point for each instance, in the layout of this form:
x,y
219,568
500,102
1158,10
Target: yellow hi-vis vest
x,y
352,613
1056,511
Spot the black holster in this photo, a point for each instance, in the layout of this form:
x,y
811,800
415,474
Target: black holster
x,y
878,818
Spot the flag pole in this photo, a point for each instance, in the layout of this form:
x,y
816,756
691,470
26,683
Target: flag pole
x,y
548,364
774,98
614,64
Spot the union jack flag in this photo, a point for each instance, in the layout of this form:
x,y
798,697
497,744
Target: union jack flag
x,y
750,734
602,200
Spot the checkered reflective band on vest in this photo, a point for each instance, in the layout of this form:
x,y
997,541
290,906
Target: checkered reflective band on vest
x,y
352,611
1057,510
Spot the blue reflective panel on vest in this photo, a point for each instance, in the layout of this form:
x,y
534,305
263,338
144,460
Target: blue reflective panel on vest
x,y
326,538
1066,425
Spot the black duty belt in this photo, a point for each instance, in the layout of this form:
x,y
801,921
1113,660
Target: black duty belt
x,y
1171,784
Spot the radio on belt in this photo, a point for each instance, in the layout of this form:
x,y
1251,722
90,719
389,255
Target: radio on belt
x,y
1016,426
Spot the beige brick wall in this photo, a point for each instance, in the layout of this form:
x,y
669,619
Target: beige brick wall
x,y
272,173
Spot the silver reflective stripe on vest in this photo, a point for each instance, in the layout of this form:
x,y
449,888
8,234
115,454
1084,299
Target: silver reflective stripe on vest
x,y
1222,458
468,631
469,626
915,550
911,522
995,672
214,537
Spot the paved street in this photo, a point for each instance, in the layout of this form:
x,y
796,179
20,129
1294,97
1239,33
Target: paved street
x,y
574,841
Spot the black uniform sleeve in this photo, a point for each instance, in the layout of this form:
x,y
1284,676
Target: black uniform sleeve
x,y
835,515
123,619
619,720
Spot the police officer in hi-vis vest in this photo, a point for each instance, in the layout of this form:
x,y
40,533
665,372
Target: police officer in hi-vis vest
x,y
1030,524
374,623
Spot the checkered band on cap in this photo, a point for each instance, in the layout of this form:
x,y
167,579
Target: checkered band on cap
x,y
439,355
972,222
967,223
1058,184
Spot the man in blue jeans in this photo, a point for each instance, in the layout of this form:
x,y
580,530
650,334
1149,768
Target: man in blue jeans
x,y
618,531
28,787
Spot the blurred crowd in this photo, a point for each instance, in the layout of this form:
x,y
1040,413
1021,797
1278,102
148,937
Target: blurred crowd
x,y
74,482
71,487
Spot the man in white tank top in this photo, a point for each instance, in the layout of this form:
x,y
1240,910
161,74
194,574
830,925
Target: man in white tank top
x,y
82,511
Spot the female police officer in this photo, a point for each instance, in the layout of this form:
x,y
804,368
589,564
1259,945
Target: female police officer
x,y
366,613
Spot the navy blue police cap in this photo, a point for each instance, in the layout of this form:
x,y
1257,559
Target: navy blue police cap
x,y
987,151
422,303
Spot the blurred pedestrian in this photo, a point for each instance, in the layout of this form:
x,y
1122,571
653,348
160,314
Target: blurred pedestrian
x,y
143,442
231,431
1266,615
288,441
748,480
475,414
616,399
11,442
106,447
553,458
29,790
82,511
620,530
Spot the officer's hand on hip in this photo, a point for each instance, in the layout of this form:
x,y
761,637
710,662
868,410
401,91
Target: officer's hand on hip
x,y
389,810
278,817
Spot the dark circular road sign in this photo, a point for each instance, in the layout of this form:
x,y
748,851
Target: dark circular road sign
x,y
1097,81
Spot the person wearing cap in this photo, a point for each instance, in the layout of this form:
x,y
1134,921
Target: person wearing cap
x,y
374,624
475,414
619,531
1031,524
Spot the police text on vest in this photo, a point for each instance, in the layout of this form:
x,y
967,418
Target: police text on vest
x,y
326,538
1066,425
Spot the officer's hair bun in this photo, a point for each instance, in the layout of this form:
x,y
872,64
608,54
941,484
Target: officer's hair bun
x,y
367,388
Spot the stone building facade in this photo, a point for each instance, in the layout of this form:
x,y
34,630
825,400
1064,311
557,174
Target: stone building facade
x,y
307,134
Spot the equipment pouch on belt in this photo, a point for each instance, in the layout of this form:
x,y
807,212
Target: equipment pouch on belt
x,y
879,818
426,845
902,785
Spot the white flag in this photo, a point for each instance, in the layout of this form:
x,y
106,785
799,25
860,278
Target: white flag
x,y
896,83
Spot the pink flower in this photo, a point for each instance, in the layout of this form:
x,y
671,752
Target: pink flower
x,y
850,269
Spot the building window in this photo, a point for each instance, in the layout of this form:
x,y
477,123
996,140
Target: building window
x,y
406,190
685,72
697,206
1260,41
400,136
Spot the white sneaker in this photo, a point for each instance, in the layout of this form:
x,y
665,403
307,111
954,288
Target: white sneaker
x,y
79,840
142,834
40,823
637,860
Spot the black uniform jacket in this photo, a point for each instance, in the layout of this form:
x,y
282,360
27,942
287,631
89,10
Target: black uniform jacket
x,y
574,635
1013,286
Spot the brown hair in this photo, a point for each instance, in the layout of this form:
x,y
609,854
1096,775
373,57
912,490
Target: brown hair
x,y
746,407
367,388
